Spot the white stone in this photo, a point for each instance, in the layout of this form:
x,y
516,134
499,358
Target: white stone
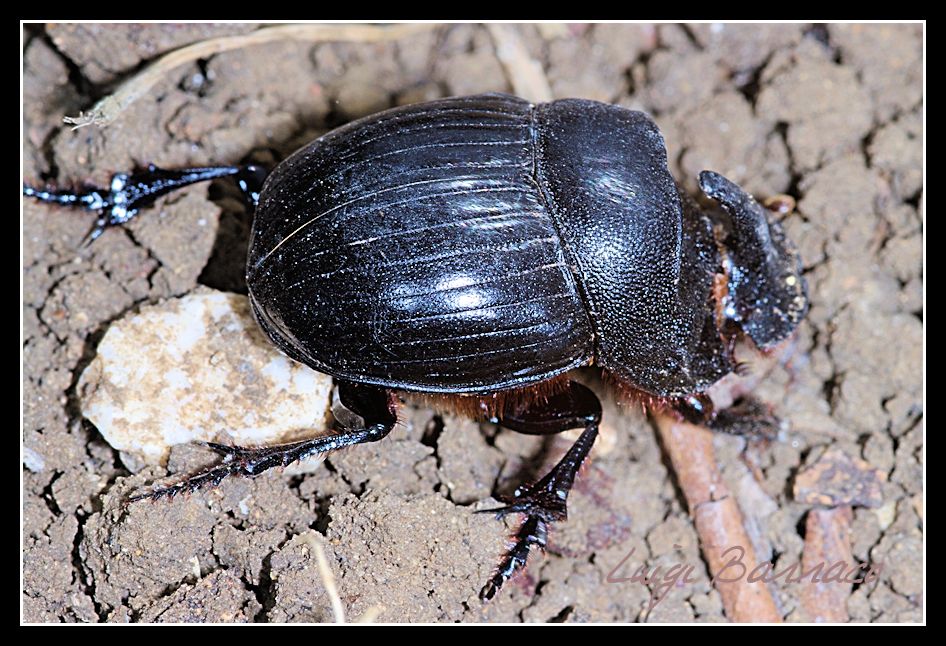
x,y
32,460
198,368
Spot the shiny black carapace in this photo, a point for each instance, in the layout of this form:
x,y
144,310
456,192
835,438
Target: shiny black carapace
x,y
478,249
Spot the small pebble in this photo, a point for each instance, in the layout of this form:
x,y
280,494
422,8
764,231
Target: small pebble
x,y
197,368
836,478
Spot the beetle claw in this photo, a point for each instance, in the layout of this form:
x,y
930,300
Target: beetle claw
x,y
228,452
499,512
97,230
533,503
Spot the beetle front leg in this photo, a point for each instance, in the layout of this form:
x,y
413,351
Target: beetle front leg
x,y
545,501
747,416
129,192
363,414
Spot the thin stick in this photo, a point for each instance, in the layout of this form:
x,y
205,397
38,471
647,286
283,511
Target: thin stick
x,y
718,520
106,110
827,541
525,73
314,542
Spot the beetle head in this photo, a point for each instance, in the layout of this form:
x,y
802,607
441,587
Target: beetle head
x,y
767,295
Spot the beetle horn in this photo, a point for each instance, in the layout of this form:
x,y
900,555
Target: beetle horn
x,y
767,295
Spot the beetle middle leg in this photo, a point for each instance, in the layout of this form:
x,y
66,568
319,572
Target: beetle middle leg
x,y
129,192
545,501
362,414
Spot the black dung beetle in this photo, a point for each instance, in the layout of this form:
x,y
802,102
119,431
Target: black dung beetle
x,y
479,248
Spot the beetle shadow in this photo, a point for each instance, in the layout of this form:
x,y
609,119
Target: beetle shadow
x,y
226,268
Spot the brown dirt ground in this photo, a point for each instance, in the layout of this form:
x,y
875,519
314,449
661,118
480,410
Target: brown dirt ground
x,y
830,115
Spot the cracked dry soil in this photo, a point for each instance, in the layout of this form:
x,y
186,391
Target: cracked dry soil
x,y
831,115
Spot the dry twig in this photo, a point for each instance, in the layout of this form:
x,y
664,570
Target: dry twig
x,y
313,541
525,73
106,110
827,541
718,520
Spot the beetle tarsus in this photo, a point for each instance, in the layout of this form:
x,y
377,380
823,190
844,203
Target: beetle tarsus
x,y
228,452
211,477
250,462
129,192
533,532
370,403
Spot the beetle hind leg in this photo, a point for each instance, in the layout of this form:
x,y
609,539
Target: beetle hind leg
x,y
545,501
129,192
363,414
